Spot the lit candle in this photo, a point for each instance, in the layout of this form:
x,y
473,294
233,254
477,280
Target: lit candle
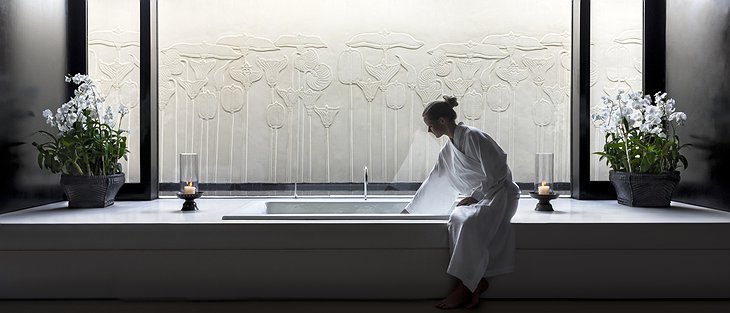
x,y
189,189
543,190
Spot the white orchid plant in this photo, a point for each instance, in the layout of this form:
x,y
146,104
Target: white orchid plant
x,y
87,142
640,133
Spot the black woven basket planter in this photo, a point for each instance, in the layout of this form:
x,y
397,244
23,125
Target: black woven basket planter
x,y
91,191
644,190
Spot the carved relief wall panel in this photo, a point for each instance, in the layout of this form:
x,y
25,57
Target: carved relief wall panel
x,y
616,60
311,91
113,63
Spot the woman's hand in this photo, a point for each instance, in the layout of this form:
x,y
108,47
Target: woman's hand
x,y
467,201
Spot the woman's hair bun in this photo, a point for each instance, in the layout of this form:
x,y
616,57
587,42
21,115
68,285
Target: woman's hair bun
x,y
451,101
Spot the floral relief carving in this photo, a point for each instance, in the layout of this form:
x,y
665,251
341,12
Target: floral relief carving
x,y
327,115
538,67
275,115
369,88
192,87
382,72
129,94
319,77
165,95
473,105
244,43
290,97
395,95
245,75
202,68
468,68
232,98
349,66
470,50
272,68
556,94
512,74
543,113
459,85
306,61
514,41
617,59
309,99
441,65
429,87
300,41
206,104
384,40
412,74
499,97
116,71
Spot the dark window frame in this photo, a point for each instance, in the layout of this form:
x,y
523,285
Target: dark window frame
x,y
77,15
147,188
654,69
653,80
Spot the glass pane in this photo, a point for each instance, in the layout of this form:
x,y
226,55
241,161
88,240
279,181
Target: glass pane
x,y
616,58
310,92
113,63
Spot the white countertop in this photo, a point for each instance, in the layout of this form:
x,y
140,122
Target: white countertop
x,y
166,211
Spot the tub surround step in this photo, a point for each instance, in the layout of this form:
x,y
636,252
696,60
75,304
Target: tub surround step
x,y
149,250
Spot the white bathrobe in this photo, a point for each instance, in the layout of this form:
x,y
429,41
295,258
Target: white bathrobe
x,y
482,242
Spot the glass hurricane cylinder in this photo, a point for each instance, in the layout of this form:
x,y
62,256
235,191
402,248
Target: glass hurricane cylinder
x,y
544,168
189,173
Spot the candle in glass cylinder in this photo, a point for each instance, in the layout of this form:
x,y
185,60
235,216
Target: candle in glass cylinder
x,y
189,189
189,173
543,173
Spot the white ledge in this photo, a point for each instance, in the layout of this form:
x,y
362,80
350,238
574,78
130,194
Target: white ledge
x,y
212,210
151,250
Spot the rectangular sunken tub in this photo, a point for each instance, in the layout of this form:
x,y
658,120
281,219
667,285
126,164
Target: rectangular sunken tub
x,y
337,209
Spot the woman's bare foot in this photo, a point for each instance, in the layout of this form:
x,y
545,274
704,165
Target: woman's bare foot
x,y
481,288
458,297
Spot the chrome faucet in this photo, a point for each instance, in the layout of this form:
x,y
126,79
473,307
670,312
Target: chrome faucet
x,y
365,184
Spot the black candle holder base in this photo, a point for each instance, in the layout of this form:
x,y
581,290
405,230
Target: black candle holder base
x,y
189,205
543,201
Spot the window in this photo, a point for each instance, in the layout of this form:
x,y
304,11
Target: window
x,y
271,93
616,61
113,43
276,93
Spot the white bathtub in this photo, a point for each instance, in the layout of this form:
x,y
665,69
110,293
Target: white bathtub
x,y
336,209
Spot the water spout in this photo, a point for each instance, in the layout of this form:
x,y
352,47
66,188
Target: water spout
x,y
365,183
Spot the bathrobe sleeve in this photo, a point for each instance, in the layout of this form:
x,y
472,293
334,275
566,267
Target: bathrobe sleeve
x,y
493,162
436,195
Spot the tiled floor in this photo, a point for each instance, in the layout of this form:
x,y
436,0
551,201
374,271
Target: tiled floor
x,y
493,306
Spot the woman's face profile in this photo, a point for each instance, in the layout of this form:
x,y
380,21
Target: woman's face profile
x,y
436,127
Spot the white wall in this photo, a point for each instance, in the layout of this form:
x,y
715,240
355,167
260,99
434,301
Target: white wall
x,y
508,62
254,134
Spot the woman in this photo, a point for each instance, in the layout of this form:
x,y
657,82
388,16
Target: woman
x,y
481,238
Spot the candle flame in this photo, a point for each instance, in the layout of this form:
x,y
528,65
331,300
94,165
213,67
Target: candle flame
x,y
191,183
543,183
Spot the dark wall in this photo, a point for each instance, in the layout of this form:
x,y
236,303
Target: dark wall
x,y
33,62
698,55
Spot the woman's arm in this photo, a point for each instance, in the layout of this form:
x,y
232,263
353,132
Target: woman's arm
x,y
467,201
436,195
